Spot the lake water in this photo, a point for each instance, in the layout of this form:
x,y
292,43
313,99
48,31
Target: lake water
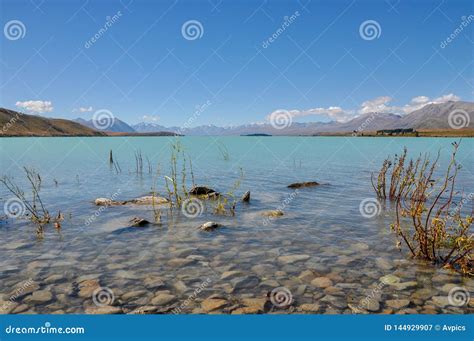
x,y
233,268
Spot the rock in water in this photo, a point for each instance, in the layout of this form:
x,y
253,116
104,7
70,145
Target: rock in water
x,y
246,197
138,222
398,304
303,184
321,282
148,200
272,213
210,225
290,259
107,202
201,190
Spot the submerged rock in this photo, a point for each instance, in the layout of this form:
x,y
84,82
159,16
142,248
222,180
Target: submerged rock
x,y
389,279
303,184
321,282
209,226
138,222
257,304
290,259
405,285
398,304
146,200
211,304
163,299
39,297
246,197
273,213
245,282
228,275
383,263
370,304
311,307
87,287
105,310
108,202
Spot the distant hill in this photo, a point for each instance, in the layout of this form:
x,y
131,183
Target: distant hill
x,y
14,123
436,116
117,126
157,133
144,127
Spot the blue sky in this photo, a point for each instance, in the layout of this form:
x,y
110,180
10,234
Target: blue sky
x,y
319,67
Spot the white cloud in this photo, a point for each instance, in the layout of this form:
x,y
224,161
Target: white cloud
x,y
83,109
446,98
150,118
379,104
420,99
334,113
36,106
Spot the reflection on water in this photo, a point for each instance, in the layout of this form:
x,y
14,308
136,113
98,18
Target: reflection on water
x,y
329,257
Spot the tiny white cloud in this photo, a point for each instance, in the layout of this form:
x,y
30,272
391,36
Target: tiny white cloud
x,y
83,109
35,106
151,118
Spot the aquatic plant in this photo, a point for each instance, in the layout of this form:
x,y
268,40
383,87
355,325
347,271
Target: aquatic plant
x,y
156,209
425,219
398,164
37,211
223,151
114,163
226,203
138,162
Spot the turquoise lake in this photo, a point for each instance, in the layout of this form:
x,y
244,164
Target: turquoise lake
x,y
159,268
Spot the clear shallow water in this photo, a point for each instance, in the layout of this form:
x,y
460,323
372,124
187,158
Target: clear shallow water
x,y
161,267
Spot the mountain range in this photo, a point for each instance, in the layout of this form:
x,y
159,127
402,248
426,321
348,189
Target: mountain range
x,y
430,117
